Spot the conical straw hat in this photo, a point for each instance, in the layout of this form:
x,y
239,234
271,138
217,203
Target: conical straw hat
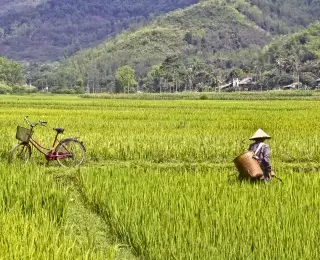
x,y
260,134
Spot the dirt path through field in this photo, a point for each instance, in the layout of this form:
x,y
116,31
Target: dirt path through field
x,y
87,226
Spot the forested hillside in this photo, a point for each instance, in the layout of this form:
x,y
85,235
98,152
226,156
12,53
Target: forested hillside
x,y
200,30
291,59
203,45
44,30
200,47
280,16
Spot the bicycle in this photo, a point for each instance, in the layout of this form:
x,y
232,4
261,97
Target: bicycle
x,y
69,152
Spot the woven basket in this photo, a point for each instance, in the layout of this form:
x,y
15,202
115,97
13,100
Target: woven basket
x,y
247,166
23,134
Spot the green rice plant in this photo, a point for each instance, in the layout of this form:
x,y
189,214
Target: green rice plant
x,y
33,211
184,131
201,214
159,172
214,95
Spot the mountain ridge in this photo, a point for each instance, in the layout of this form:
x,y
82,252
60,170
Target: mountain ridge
x,y
202,44
54,29
176,27
208,30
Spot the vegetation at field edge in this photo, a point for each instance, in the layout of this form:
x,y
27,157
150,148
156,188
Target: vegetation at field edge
x,y
160,172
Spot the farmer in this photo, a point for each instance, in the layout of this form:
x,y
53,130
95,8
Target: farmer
x,y
262,153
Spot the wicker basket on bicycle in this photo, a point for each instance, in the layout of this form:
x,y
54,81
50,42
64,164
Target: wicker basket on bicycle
x,y
23,134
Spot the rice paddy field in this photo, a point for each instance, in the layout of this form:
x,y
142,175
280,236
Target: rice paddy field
x,y
159,182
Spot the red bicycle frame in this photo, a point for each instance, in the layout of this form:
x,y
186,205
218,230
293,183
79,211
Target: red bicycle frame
x,y
49,154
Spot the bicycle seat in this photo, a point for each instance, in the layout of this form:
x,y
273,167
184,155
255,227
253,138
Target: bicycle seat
x,y
59,130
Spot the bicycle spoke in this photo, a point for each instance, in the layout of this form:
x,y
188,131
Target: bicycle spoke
x,y
70,153
20,153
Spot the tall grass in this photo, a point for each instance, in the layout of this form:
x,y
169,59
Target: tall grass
x,y
169,131
201,214
242,95
33,211
159,172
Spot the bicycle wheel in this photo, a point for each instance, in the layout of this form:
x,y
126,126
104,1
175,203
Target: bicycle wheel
x,y
71,153
20,153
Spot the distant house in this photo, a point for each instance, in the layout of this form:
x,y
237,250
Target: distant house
x,y
317,83
29,86
247,84
225,86
236,84
294,85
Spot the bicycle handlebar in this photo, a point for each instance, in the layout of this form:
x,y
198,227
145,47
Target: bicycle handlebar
x,y
40,122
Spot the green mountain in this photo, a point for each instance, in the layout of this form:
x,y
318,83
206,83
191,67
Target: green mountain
x,y
208,42
280,16
201,46
292,59
201,30
46,30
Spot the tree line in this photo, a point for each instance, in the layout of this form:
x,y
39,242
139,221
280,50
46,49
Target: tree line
x,y
11,77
